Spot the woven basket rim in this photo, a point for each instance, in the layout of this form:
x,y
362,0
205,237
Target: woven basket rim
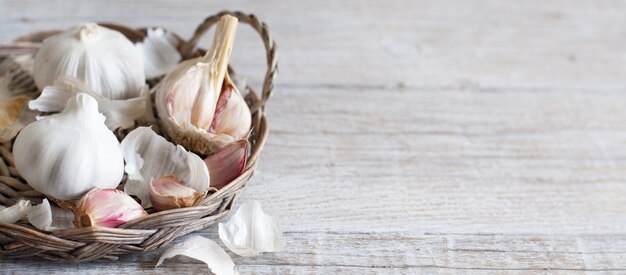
x,y
159,228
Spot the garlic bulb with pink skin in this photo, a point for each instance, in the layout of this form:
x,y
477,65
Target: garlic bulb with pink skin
x,y
106,208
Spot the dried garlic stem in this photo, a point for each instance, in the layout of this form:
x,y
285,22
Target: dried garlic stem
x,y
217,57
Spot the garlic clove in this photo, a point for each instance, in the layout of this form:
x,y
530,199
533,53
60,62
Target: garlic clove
x,y
168,193
232,116
106,208
159,52
50,218
203,249
67,154
119,113
149,156
187,100
251,232
15,212
227,164
104,59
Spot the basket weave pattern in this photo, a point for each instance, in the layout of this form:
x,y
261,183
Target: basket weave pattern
x,y
157,229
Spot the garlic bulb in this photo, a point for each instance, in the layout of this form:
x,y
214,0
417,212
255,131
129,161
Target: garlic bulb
x,y
106,208
198,105
104,59
68,154
168,193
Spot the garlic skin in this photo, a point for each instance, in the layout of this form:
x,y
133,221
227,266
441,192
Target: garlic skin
x,y
203,249
49,217
197,103
106,208
250,231
168,193
119,113
104,59
15,212
150,156
68,154
159,52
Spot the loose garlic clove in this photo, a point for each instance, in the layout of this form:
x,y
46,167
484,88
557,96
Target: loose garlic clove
x,y
106,208
195,109
168,193
227,164
67,154
104,59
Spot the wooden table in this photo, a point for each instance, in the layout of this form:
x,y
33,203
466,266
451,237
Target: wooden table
x,y
416,136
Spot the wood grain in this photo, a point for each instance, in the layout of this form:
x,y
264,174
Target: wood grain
x,y
414,137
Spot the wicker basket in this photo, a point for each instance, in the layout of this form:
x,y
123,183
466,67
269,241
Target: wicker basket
x,y
157,229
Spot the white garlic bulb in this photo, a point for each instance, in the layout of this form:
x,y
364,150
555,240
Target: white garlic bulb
x,y
104,59
199,106
68,154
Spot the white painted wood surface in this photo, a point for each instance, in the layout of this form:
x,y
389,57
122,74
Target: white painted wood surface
x,y
416,137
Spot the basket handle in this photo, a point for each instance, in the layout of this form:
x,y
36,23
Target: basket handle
x,y
188,49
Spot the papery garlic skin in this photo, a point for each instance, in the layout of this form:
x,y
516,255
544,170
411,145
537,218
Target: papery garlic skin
x,y
119,113
149,156
250,231
107,208
68,154
168,193
159,52
15,212
197,103
203,249
104,59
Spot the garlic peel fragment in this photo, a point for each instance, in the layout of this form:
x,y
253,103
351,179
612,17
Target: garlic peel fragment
x,y
250,231
106,208
149,156
50,218
67,154
15,212
159,52
119,113
205,250
168,193
228,163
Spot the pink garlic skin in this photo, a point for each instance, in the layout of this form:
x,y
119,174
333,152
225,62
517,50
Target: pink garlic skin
x,y
106,208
